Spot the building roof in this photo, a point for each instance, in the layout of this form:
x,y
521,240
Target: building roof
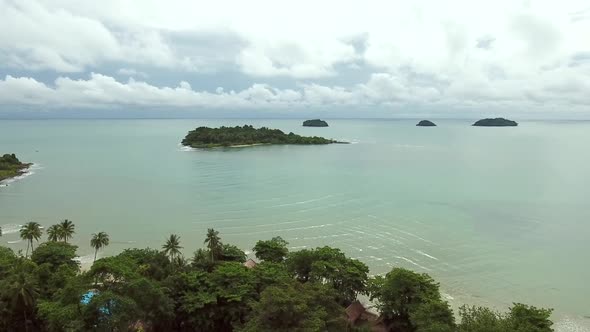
x,y
250,263
354,311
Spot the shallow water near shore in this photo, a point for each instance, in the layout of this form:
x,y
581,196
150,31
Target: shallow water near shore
x,y
497,215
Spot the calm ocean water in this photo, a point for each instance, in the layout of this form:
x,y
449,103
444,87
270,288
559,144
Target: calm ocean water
x,y
495,214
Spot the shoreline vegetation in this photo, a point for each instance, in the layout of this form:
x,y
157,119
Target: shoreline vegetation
x,y
11,167
220,289
247,135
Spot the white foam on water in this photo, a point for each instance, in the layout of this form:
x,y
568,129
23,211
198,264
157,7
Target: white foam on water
x,y
349,141
267,225
185,148
282,230
87,259
413,235
11,229
425,254
304,202
447,297
412,262
29,171
325,236
13,242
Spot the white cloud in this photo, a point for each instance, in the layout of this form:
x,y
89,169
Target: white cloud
x,y
104,91
455,52
560,87
131,72
37,38
310,60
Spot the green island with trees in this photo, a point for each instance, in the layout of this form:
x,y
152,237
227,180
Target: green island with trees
x,y
220,289
205,137
426,123
315,123
11,167
495,122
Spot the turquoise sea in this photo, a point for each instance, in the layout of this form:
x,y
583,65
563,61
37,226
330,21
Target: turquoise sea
x,y
495,214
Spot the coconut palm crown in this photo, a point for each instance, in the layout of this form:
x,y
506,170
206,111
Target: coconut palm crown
x,y
29,232
99,241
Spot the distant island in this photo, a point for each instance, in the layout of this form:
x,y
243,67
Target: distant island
x,y
205,137
426,123
11,167
497,122
315,123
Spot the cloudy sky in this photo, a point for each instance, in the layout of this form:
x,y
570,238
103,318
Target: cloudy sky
x,y
344,58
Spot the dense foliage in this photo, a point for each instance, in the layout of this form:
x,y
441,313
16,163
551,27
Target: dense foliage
x,y
315,123
159,290
10,166
496,122
204,137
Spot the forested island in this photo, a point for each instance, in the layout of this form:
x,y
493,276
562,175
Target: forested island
x,y
426,123
219,289
205,137
11,167
315,123
496,122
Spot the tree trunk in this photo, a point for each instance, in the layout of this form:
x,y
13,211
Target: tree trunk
x,y
26,320
27,252
95,252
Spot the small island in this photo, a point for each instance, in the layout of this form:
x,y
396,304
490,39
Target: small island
x,y
426,123
315,123
497,122
11,167
205,137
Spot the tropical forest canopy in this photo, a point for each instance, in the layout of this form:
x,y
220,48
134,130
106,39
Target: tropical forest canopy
x,y
213,290
205,137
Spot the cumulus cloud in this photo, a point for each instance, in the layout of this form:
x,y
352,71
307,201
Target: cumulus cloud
x,y
456,52
104,91
561,87
36,38
47,35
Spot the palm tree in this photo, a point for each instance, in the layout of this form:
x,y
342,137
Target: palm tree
x,y
66,230
23,292
54,233
172,246
30,231
214,244
99,241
